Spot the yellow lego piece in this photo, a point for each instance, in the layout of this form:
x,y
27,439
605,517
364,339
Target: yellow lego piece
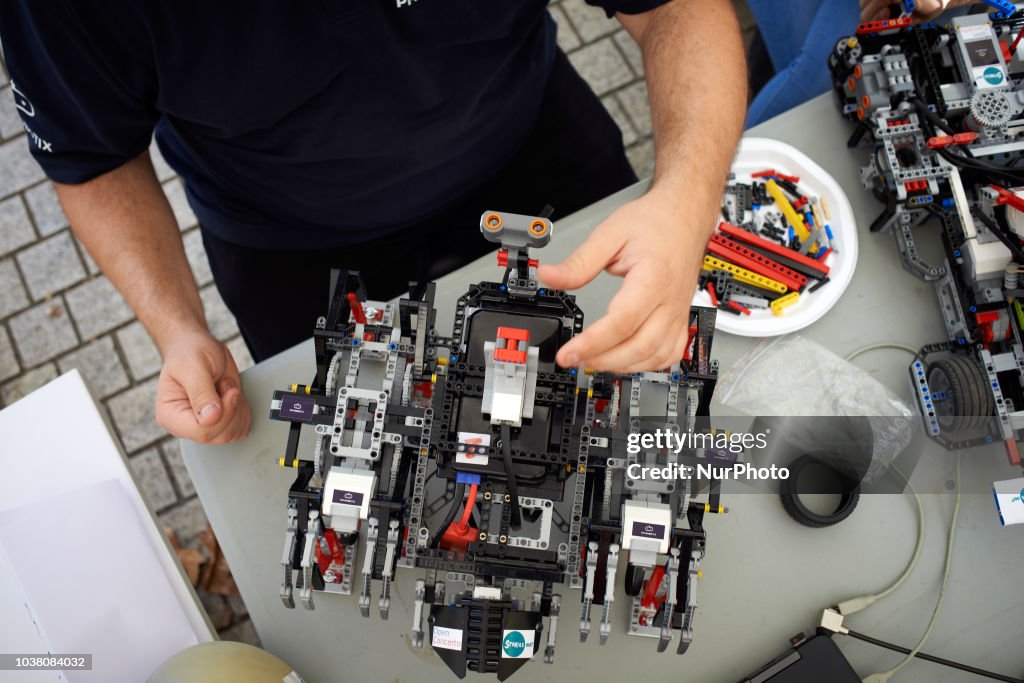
x,y
433,378
590,393
782,303
280,461
307,390
743,275
295,387
443,360
794,219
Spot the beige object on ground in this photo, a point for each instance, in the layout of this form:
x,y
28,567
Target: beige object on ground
x,y
224,662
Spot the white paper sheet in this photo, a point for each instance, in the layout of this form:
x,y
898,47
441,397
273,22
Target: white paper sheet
x,y
92,579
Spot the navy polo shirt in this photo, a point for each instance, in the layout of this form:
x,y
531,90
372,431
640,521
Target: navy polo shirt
x,y
294,124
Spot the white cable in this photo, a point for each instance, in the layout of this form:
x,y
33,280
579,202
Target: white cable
x,y
883,345
854,605
884,676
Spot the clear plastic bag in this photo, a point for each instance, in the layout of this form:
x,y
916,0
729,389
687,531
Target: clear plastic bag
x,y
794,377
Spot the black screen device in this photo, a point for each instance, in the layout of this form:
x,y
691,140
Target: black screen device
x,y
812,660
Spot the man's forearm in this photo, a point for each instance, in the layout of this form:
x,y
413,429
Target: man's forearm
x,y
126,224
697,83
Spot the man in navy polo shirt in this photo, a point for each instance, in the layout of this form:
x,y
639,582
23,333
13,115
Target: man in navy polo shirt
x,y
368,134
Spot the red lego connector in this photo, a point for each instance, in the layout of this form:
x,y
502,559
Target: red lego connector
x,y
513,336
1009,198
965,138
712,294
939,141
458,536
357,309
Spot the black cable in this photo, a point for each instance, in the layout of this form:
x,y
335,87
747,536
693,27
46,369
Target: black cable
x,y
1014,248
510,474
937,660
460,492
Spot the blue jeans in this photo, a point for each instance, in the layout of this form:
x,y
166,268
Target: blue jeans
x,y
799,35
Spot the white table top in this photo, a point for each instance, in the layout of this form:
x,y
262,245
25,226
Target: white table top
x,y
108,580
765,577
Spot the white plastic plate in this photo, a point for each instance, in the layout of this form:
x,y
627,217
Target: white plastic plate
x,y
757,154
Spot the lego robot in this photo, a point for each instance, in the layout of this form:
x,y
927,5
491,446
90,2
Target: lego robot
x,y
942,109
501,476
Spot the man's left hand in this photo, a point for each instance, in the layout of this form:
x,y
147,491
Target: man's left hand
x,y
657,246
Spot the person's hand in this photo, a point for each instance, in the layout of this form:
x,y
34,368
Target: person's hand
x,y
926,10
657,246
199,394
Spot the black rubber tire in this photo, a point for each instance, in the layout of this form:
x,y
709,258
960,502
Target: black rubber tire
x,y
972,400
800,513
634,580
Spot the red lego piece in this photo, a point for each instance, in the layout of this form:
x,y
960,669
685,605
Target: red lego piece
x,y
510,355
513,333
1007,52
357,309
1012,454
745,258
799,203
791,178
1008,198
887,25
712,294
738,307
503,258
965,138
330,555
742,235
763,174
939,141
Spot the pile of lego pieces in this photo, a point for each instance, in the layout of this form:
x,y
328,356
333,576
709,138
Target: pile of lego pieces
x,y
772,248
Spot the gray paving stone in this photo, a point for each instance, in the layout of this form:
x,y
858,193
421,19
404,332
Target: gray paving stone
x,y
629,135
43,332
51,265
140,352
12,291
219,319
19,168
602,66
567,38
46,209
590,22
153,479
188,520
641,156
163,171
632,51
8,362
15,227
634,100
97,307
242,632
196,254
10,122
99,364
27,382
240,352
175,191
172,454
134,414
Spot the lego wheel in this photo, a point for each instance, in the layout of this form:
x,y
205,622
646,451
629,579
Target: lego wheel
x,y
960,393
847,488
634,579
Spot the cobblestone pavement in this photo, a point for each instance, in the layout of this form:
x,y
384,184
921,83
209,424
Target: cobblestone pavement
x,y
57,311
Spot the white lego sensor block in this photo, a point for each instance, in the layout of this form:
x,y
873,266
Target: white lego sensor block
x,y
347,494
646,526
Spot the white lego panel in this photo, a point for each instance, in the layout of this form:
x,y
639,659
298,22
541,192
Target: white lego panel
x,y
1010,500
646,522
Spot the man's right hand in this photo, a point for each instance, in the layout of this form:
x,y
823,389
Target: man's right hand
x,y
199,394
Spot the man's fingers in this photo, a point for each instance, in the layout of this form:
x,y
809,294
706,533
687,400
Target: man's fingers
x,y
627,311
874,10
205,400
584,264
